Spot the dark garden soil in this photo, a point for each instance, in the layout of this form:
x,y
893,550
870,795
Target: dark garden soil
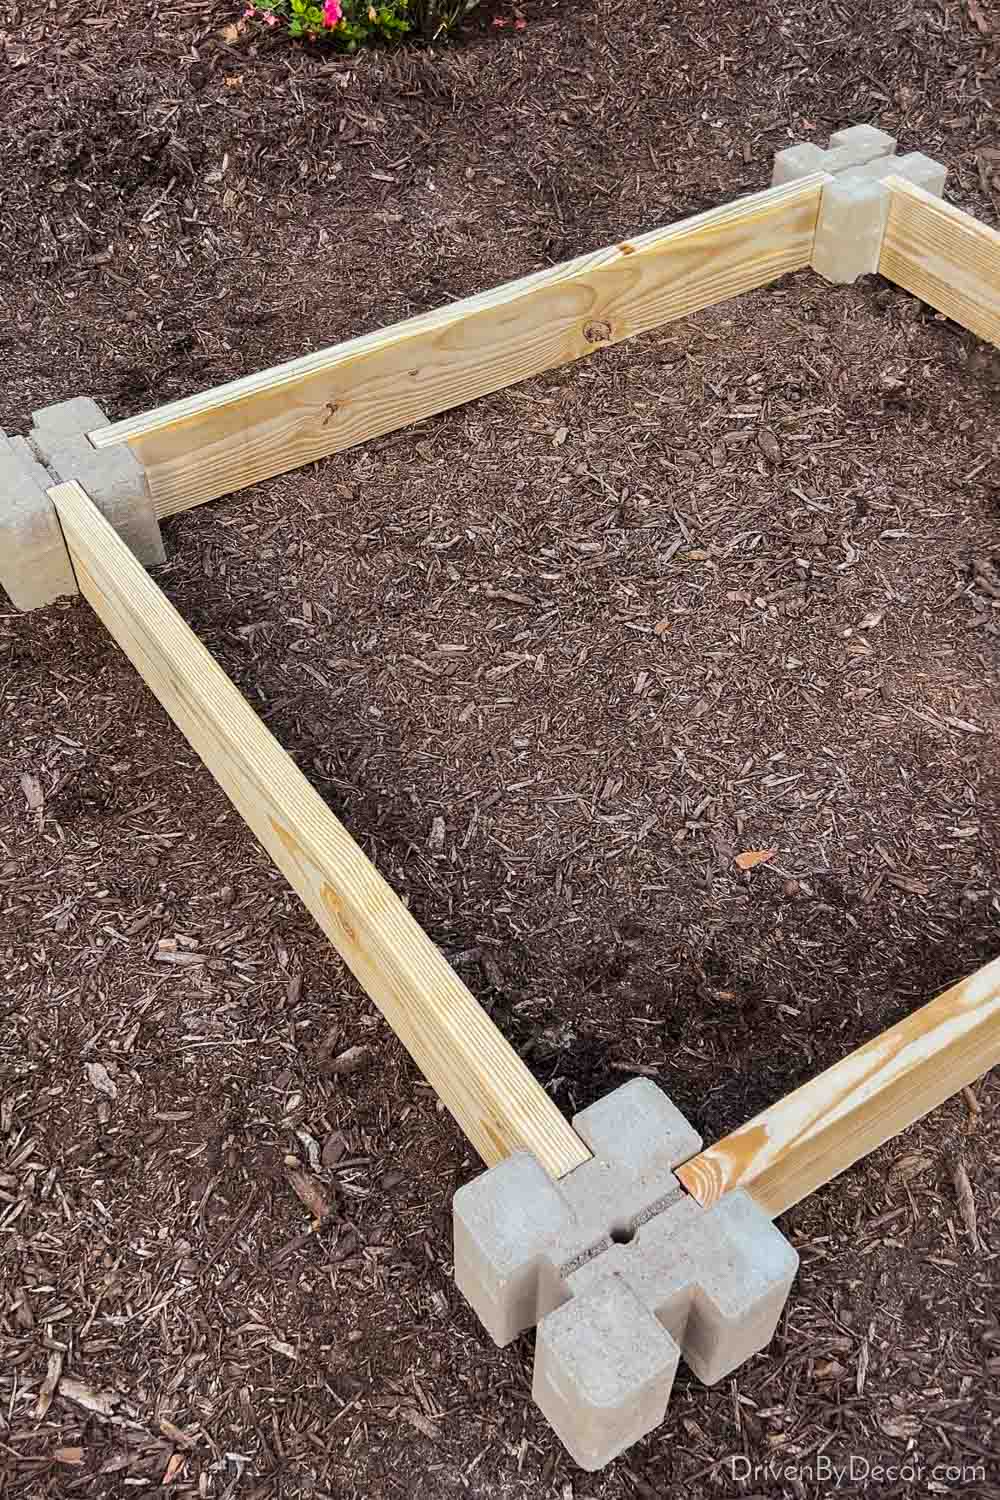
x,y
733,586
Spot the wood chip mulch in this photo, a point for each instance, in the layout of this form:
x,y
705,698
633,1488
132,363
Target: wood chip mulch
x,y
664,688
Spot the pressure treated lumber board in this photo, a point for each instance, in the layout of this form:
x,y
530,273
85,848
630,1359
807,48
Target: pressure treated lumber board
x,y
811,1135
944,256
475,1071
209,445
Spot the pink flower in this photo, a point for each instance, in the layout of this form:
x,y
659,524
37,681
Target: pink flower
x,y
332,13
271,19
248,13
520,24
500,20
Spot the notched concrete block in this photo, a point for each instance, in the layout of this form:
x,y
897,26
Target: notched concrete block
x,y
604,1370
501,1221
921,170
516,1229
715,1282
849,229
34,564
620,1270
854,206
795,162
637,1129
113,477
848,148
856,144
854,210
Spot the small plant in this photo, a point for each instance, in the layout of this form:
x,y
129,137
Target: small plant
x,y
350,24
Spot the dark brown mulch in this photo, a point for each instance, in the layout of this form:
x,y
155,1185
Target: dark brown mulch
x,y
733,586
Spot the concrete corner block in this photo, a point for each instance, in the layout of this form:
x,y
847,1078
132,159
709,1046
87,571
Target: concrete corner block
x,y
620,1270
854,205
636,1127
863,143
744,1268
849,229
923,171
66,418
35,568
795,162
604,1370
848,148
503,1221
113,477
517,1232
854,210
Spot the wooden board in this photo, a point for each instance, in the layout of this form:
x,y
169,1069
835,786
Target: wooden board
x,y
944,256
818,1131
475,1071
209,445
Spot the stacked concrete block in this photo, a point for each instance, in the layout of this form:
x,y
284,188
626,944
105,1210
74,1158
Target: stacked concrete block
x,y
848,148
854,211
34,564
621,1272
35,567
855,203
113,477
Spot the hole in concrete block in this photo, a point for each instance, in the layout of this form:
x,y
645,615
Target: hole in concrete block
x,y
623,1234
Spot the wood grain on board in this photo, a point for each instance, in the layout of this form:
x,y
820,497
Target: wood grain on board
x,y
944,256
807,1138
197,449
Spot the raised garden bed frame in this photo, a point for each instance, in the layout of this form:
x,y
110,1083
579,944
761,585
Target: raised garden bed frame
x,y
206,446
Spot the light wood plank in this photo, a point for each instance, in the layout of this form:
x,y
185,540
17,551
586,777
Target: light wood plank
x,y
475,1071
209,445
813,1134
944,256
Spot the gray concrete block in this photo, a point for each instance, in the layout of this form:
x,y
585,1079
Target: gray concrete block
x,y
854,210
25,455
503,1221
715,1281
849,229
848,148
638,1129
858,143
919,169
797,161
726,1272
516,1231
620,1270
113,477
604,1370
34,564
66,418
